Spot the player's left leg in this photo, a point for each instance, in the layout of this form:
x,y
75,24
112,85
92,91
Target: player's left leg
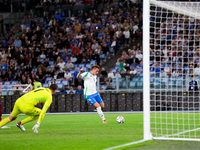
x,y
33,115
99,111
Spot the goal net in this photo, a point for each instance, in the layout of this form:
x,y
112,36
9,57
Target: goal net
x,y
174,36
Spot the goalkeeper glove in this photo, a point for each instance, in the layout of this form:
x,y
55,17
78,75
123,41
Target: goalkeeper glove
x,y
35,127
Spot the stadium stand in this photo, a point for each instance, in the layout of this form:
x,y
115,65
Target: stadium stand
x,y
80,33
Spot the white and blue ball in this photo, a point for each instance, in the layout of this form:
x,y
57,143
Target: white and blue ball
x,y
120,119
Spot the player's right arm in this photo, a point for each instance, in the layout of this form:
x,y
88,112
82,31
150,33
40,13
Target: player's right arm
x,y
79,74
45,108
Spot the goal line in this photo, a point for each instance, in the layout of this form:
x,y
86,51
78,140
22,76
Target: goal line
x,y
128,144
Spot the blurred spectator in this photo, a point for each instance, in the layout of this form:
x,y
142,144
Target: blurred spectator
x,y
62,90
69,65
16,54
17,42
4,43
55,76
17,89
24,80
61,64
52,81
139,55
18,77
127,35
41,76
46,62
181,69
75,49
94,45
59,15
96,57
197,70
124,55
4,66
193,85
53,56
79,90
21,61
47,73
133,71
140,67
73,59
118,62
10,77
167,70
71,91
175,73
102,79
158,69
101,90
68,76
123,73
3,76
61,74
74,42
104,72
77,27
126,64
111,74
75,77
118,75
105,47
163,64
121,67
134,60
135,28
109,83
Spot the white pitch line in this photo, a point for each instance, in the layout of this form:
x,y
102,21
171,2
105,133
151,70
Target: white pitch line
x,y
125,145
183,132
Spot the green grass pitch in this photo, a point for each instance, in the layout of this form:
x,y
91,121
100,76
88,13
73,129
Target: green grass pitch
x,y
84,132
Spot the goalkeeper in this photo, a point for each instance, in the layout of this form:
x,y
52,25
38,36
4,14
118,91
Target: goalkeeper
x,y
26,104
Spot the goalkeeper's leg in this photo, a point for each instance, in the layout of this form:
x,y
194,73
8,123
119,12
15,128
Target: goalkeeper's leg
x,y
16,111
33,115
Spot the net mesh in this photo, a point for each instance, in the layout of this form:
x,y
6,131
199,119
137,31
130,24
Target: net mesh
x,y
174,69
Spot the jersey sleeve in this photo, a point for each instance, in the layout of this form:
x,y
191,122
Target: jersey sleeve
x,y
45,107
84,75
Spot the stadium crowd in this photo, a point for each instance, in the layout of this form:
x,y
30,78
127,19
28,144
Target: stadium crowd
x,y
53,45
174,46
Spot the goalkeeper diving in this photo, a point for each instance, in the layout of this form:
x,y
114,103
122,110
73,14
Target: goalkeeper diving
x,y
26,104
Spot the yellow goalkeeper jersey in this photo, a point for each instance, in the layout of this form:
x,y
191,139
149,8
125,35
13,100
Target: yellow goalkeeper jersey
x,y
34,97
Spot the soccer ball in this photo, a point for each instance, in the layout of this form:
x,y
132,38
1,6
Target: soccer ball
x,y
120,119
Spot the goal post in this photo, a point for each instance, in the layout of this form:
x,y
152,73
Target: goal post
x,y
146,80
171,50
